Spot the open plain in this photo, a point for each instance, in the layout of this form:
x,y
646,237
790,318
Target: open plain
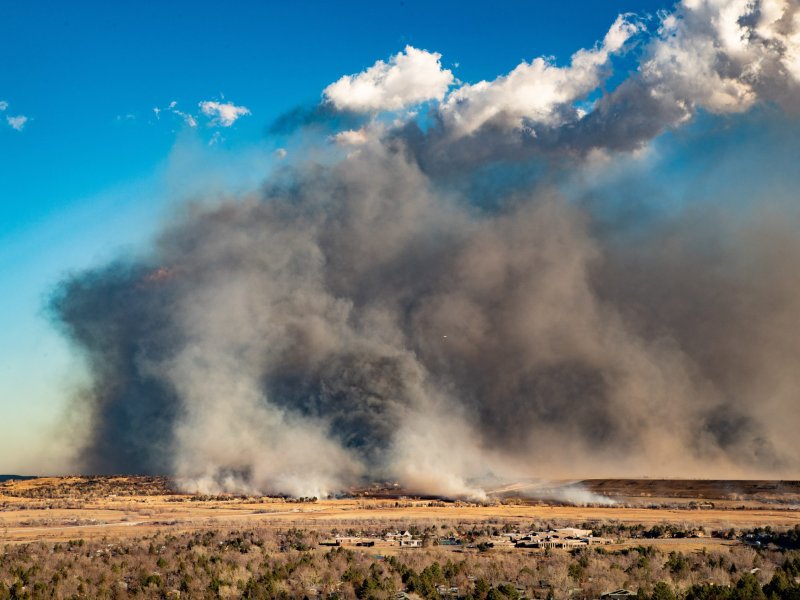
x,y
54,509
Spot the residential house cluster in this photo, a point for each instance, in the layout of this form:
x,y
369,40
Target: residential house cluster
x,y
403,539
567,537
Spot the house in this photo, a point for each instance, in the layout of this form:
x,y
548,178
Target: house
x,y
594,541
551,539
329,542
449,541
343,540
349,540
620,594
410,543
574,532
447,591
404,539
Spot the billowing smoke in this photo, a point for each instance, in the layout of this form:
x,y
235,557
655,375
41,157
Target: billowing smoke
x,y
374,317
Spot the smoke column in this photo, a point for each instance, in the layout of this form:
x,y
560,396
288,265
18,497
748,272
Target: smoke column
x,y
414,310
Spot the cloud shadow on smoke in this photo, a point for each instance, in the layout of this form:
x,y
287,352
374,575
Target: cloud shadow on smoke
x,y
320,115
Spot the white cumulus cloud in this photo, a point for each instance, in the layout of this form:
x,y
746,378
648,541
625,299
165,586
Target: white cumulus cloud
x,y
720,56
17,122
537,92
3,105
726,55
410,77
223,113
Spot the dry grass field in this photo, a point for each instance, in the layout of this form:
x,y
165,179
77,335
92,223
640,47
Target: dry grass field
x,y
80,507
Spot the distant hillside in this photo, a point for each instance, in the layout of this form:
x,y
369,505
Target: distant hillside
x,y
711,489
16,477
75,486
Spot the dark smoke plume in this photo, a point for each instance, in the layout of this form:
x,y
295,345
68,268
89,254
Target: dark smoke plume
x,y
376,318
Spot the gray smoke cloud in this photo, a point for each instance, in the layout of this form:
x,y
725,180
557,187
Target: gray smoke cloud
x,y
373,318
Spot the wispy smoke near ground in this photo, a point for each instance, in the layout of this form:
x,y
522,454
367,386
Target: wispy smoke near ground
x,y
566,492
373,317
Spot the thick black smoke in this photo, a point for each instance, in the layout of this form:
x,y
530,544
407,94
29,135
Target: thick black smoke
x,y
427,310
362,323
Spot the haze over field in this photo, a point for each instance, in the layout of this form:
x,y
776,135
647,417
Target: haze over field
x,y
576,268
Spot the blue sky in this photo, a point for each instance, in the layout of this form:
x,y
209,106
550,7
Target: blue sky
x,y
94,171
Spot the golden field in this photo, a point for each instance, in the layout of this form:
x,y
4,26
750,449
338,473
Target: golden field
x,y
74,507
